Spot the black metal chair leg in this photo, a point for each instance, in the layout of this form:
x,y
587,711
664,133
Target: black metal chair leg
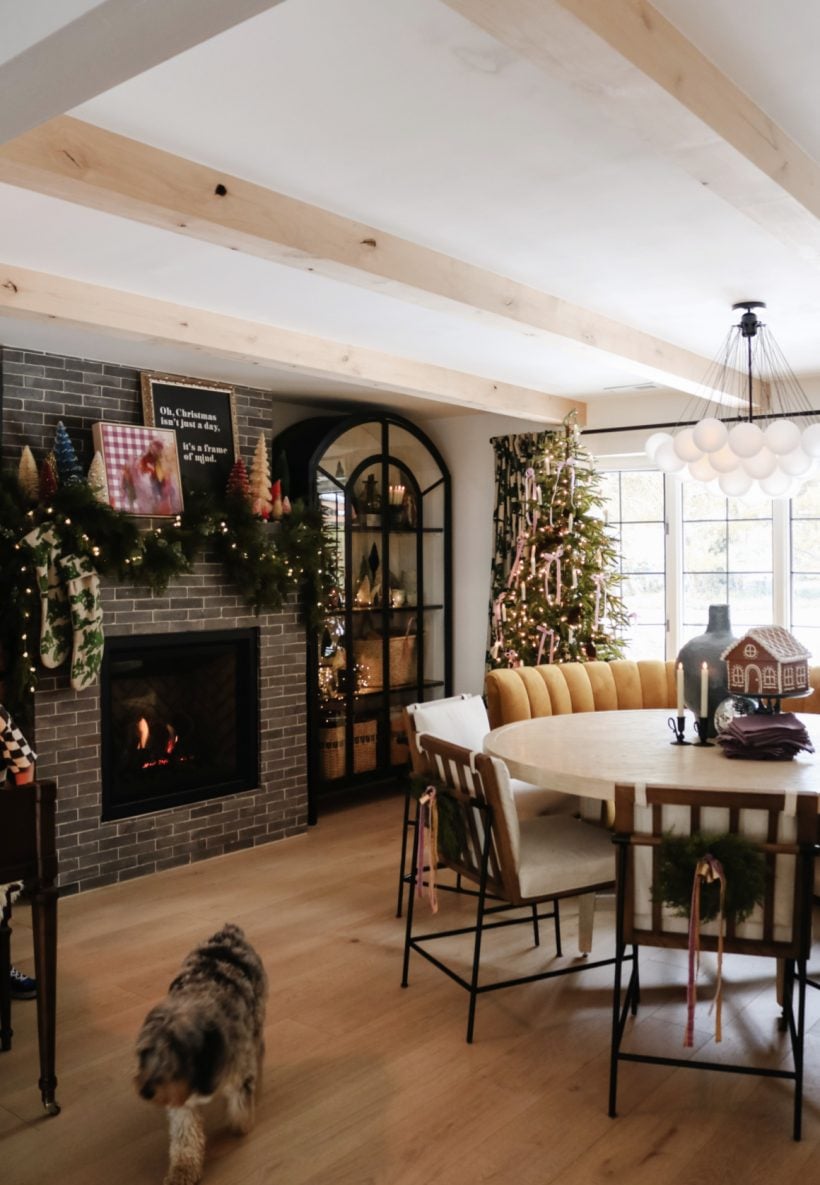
x,y
405,827
798,1049
479,923
410,900
536,933
557,924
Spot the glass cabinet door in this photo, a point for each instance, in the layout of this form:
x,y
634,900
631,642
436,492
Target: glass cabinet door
x,y
384,639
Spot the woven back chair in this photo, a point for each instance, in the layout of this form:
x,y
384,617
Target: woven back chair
x,y
782,828
511,863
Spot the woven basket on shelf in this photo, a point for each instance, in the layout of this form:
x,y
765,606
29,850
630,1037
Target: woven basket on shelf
x,y
367,654
333,749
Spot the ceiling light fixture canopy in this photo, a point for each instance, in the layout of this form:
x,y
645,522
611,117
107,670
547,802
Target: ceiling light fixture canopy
x,y
771,448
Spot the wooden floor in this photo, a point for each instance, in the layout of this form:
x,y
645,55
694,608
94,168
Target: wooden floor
x,y
366,1083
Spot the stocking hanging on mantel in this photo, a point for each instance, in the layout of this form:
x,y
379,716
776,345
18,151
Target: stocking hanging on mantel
x,y
555,566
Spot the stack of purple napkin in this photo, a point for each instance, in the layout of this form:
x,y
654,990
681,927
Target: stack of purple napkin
x,y
765,738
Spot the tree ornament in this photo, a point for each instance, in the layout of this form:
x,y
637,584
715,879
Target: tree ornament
x,y
276,500
286,506
69,469
238,484
48,477
97,481
260,480
27,477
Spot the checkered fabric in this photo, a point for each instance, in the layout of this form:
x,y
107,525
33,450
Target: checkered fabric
x,y
15,752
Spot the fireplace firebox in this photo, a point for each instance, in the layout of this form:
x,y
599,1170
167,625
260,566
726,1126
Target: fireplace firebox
x,y
180,719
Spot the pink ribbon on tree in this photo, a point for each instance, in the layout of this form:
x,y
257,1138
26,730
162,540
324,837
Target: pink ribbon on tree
x,y
600,594
552,557
707,871
516,564
543,630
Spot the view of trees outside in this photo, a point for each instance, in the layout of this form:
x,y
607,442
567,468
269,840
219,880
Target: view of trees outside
x,y
727,560
636,512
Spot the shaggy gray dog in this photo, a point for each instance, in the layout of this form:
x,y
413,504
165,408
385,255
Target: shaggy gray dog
x,y
205,1038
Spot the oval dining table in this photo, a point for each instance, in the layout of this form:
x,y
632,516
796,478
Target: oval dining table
x,y
590,753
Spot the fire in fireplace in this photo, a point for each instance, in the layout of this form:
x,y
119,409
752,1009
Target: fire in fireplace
x,y
179,719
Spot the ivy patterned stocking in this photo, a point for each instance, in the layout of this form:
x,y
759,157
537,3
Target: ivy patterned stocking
x,y
55,623
83,587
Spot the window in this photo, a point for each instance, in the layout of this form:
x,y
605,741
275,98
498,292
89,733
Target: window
x,y
804,522
727,559
762,558
636,512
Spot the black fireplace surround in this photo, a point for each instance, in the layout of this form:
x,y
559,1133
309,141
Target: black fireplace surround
x,y
180,719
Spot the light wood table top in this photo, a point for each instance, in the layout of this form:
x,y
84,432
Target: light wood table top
x,y
589,753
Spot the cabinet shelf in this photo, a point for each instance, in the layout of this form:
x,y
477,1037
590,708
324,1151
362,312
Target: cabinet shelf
x,y
341,464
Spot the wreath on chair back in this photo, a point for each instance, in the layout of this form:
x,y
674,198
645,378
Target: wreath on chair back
x,y
743,863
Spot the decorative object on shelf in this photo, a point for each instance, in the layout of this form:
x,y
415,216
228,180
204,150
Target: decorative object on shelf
x,y
371,502
141,469
333,748
396,495
763,453
28,478
364,596
276,509
730,708
373,564
238,485
705,685
767,661
202,414
96,478
48,477
555,573
69,469
260,480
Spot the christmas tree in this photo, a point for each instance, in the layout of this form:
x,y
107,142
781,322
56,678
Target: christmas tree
x,y
238,484
28,478
69,469
260,480
555,571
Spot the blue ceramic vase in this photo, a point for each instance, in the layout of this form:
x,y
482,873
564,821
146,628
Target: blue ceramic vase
x,y
707,648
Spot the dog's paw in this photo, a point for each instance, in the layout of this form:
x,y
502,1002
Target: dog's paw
x,y
184,1172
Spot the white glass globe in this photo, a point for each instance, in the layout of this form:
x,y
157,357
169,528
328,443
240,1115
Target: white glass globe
x,y
710,434
735,484
702,470
685,446
654,443
782,436
761,464
777,484
667,459
745,439
810,442
725,460
796,463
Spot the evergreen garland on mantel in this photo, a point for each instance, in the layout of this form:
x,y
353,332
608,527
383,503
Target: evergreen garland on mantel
x,y
266,562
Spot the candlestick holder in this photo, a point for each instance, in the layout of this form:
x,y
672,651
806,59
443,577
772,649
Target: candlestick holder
x,y
678,724
702,729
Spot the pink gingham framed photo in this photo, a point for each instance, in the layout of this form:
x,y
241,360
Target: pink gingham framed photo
x,y
141,469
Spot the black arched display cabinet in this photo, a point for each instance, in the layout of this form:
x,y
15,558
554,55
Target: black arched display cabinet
x,y
385,637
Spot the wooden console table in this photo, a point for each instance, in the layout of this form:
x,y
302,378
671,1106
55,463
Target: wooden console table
x,y
28,855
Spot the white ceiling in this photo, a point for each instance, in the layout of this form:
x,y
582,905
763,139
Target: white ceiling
x,y
406,116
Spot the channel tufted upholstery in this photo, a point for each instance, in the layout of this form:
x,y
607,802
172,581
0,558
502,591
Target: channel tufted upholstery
x,y
558,689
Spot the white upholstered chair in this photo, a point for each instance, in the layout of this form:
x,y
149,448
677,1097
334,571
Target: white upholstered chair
x,y
462,720
513,863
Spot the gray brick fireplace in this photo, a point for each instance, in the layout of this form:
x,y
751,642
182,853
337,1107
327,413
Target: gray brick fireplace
x,y
37,391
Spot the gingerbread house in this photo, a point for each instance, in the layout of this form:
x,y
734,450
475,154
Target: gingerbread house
x,y
767,661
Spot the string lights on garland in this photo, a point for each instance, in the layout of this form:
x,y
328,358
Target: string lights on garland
x,y
555,575
266,567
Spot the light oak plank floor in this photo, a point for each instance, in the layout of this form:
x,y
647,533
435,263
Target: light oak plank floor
x,y
366,1084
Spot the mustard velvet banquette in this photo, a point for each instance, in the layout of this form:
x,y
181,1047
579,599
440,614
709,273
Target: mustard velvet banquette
x,y
560,688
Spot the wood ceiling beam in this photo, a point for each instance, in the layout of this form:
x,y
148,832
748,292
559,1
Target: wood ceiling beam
x,y
39,296
660,86
81,163
112,42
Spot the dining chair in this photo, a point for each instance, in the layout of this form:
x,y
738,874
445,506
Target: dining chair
x,y
462,720
783,829
514,864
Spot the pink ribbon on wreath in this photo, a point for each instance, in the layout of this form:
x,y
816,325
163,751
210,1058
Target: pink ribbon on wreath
x,y
428,817
708,870
553,557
